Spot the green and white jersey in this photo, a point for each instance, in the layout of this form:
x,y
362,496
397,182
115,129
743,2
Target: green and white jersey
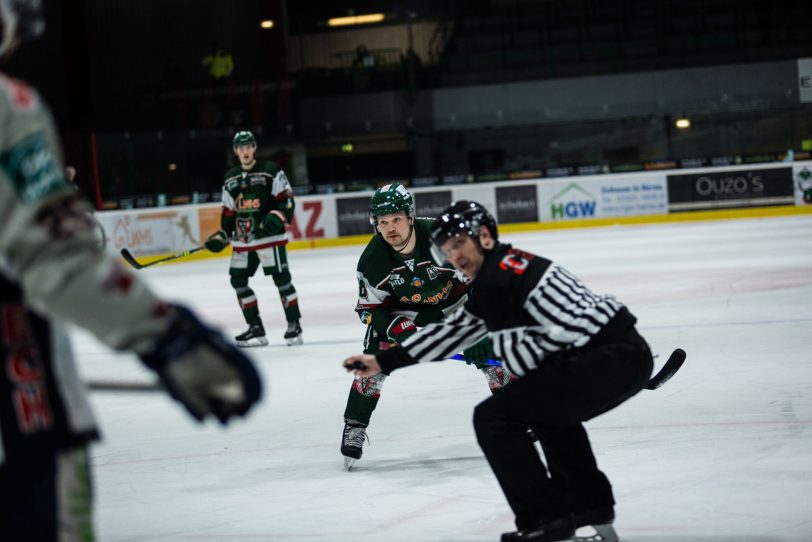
x,y
249,195
416,287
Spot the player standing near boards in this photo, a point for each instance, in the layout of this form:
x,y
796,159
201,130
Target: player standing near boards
x,y
401,287
576,355
257,204
52,271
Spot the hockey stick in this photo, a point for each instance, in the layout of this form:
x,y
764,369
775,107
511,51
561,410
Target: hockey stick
x,y
112,385
130,259
671,366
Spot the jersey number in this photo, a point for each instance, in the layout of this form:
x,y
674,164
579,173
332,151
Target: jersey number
x,y
511,262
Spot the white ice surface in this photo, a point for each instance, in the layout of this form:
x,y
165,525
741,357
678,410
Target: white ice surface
x,y
722,453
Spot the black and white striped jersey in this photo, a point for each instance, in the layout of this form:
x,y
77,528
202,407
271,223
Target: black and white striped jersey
x,y
531,308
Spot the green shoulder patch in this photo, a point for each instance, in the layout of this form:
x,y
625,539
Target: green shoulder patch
x,y
33,168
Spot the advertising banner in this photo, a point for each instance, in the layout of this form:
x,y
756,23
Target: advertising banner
x,y
603,196
730,189
517,204
314,218
431,204
143,233
805,79
353,216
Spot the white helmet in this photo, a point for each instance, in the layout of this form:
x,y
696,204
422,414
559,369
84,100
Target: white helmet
x,y
24,19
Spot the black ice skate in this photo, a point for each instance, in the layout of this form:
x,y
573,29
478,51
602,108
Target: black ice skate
x,y
294,333
255,336
600,520
351,442
555,530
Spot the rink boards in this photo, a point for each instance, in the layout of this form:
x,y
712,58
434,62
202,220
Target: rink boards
x,y
525,204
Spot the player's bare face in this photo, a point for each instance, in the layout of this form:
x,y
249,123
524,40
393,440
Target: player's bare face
x,y
395,229
246,155
464,254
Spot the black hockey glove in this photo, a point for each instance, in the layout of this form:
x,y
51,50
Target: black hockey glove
x,y
217,241
270,225
203,371
479,354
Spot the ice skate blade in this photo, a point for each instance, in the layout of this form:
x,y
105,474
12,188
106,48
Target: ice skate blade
x,y
256,341
293,341
603,533
348,463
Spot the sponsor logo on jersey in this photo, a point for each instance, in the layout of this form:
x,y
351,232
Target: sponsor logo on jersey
x,y
396,280
417,282
432,273
33,168
442,294
247,203
430,299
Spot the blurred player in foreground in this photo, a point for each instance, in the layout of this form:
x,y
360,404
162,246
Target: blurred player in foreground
x,y
52,270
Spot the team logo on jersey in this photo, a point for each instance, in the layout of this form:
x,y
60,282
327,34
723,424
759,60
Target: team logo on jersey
x,y
417,282
432,273
244,229
366,318
396,280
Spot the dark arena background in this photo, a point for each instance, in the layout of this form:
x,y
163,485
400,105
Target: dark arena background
x,y
661,150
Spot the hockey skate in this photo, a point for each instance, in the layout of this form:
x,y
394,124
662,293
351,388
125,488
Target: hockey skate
x,y
255,336
294,333
598,520
555,530
351,443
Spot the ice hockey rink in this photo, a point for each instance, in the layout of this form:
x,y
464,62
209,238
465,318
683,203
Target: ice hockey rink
x,y
721,453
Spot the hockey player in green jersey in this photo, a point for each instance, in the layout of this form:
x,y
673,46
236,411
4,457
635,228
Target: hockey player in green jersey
x,y
257,204
401,287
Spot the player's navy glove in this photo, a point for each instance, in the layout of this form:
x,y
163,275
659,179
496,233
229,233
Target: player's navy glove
x,y
217,241
203,371
271,225
480,353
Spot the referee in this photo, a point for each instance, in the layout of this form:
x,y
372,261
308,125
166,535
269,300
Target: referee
x,y
576,355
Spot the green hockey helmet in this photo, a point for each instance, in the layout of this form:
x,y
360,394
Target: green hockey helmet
x,y
244,138
389,199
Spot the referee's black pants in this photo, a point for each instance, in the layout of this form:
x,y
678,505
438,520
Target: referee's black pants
x,y
553,401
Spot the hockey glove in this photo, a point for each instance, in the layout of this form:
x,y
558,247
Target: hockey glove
x,y
271,225
216,242
400,329
479,354
201,370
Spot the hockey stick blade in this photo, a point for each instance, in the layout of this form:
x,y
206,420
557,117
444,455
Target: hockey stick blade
x,y
130,259
494,362
671,366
